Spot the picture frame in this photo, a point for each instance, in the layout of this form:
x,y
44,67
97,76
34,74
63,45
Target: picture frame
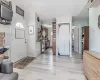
x,y
99,21
2,35
19,11
31,30
19,34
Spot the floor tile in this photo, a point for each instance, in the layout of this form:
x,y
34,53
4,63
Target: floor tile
x,y
49,67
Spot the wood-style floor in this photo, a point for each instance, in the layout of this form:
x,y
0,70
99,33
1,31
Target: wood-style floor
x,y
49,67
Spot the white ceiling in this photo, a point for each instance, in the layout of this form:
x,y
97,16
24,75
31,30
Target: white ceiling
x,y
84,14
49,9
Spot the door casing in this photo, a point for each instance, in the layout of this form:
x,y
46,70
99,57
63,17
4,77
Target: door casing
x,y
59,25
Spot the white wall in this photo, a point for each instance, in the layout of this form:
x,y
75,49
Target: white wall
x,y
94,31
80,22
18,46
38,43
76,39
31,38
64,19
34,48
17,50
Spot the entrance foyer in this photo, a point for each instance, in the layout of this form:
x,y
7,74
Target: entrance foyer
x,y
49,67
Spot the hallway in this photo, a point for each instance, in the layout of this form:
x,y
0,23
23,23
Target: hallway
x,y
48,67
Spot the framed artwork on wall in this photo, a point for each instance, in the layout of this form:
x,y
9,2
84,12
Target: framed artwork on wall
x,y
19,11
19,33
2,35
31,30
99,21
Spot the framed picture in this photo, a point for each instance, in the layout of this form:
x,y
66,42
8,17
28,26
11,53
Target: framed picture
x,y
31,30
99,21
2,35
19,34
19,11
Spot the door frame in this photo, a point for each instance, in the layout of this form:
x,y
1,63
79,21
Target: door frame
x,y
60,24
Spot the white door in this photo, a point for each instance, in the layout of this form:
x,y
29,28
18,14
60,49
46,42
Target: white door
x,y
18,45
64,40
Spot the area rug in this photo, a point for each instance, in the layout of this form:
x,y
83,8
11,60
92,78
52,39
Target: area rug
x,y
21,64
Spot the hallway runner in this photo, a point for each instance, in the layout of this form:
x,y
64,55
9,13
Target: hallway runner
x,y
21,64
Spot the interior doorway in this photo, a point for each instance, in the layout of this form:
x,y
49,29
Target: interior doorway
x,y
76,39
85,38
73,38
64,39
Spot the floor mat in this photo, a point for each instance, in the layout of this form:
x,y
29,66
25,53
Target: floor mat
x,y
23,63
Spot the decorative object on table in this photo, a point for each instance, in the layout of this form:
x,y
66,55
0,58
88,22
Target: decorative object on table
x,y
31,30
21,64
99,21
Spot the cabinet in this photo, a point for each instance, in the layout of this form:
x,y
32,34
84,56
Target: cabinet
x,y
54,38
91,65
